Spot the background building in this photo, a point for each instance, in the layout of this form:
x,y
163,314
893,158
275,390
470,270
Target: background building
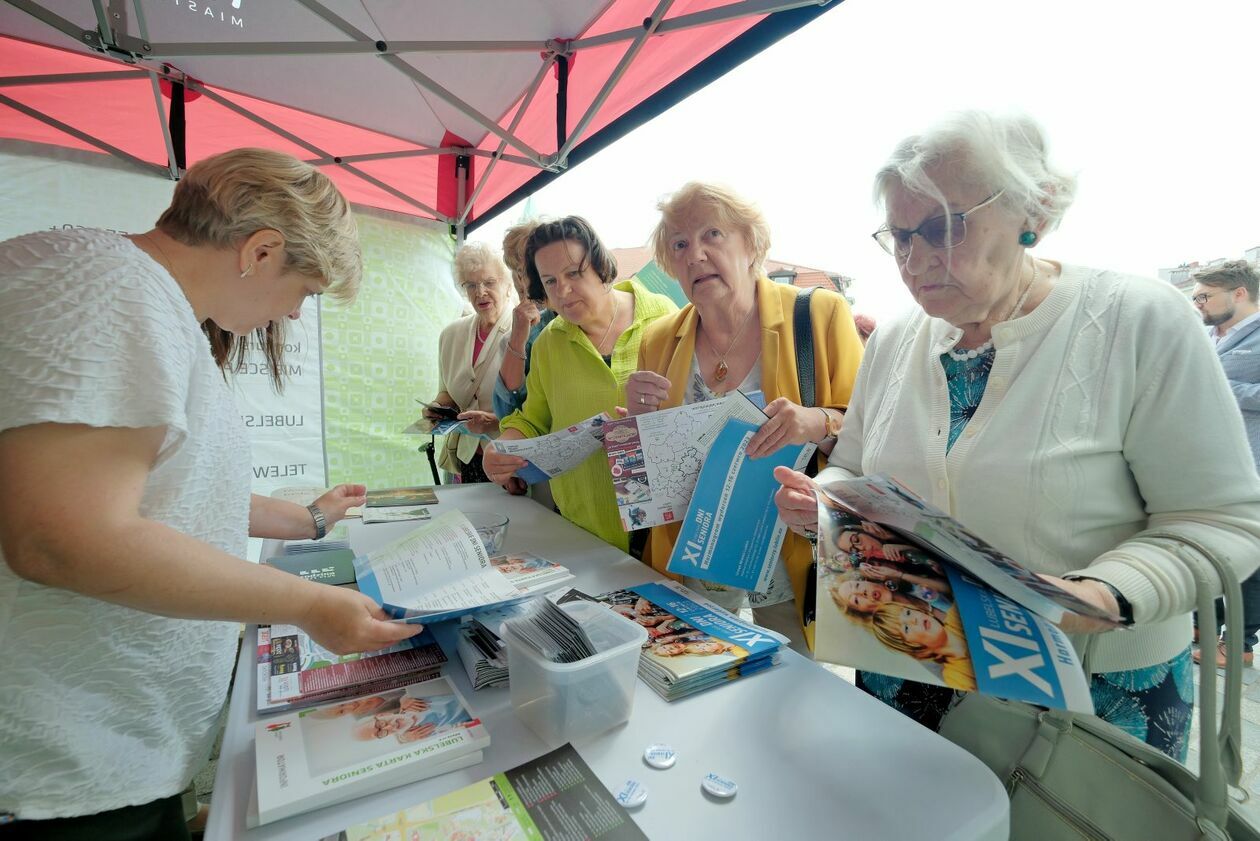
x,y
1182,276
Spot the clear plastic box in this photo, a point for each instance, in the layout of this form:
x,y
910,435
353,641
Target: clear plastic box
x,y
568,701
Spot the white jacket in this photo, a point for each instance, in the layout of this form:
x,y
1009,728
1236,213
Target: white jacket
x,y
1106,413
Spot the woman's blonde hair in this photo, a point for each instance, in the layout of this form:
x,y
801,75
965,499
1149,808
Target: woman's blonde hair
x,y
226,198
515,239
730,211
886,625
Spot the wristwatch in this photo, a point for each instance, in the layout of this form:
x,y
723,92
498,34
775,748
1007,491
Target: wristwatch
x,y
1126,609
321,525
832,422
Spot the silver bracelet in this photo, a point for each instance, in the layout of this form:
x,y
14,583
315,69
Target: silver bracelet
x,y
321,525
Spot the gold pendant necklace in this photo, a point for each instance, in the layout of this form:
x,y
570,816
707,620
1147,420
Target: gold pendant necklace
x,y
722,369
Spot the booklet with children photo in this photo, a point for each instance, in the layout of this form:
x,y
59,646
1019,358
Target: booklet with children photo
x,y
890,603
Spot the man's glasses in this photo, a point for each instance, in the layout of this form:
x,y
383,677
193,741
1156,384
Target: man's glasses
x,y
1202,297
946,231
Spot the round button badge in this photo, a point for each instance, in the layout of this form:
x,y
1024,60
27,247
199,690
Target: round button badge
x,y
719,786
631,794
660,756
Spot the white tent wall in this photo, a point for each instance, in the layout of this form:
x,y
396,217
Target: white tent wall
x,y
349,387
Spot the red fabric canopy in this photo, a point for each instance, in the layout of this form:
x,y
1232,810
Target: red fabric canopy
x,y
336,81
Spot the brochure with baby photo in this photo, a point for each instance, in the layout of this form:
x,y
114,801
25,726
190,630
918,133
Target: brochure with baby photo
x,y
336,752
441,571
732,532
556,797
558,452
889,605
655,458
692,644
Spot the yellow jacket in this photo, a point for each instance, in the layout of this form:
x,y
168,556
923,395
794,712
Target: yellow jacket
x,y
569,382
670,344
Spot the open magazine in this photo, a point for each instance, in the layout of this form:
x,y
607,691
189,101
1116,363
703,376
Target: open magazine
x,y
655,458
889,601
441,571
558,452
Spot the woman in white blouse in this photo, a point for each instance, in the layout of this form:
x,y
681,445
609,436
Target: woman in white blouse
x,y
470,352
128,503
1058,411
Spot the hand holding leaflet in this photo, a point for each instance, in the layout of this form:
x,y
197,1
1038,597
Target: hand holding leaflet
x,y
556,453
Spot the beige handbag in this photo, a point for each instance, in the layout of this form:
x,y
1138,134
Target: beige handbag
x,y
1073,776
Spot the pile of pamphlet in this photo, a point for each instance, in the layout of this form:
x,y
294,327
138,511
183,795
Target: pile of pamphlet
x,y
481,650
553,634
336,752
678,658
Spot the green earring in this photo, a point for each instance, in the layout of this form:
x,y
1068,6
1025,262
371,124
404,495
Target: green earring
x,y
1028,238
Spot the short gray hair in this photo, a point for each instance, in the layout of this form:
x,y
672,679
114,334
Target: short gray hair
x,y
996,152
475,257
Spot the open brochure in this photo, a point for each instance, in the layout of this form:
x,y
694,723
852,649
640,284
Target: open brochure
x,y
424,426
333,753
558,452
655,458
441,571
555,797
692,643
891,604
732,532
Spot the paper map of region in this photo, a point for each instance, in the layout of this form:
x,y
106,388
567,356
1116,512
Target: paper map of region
x,y
559,452
655,458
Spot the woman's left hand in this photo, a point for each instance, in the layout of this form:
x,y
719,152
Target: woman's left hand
x,y
1091,592
482,423
338,500
788,424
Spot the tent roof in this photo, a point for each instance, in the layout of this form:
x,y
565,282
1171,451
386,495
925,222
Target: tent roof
x,y
391,99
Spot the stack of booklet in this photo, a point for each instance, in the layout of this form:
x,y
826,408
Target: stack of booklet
x,y
441,571
481,650
680,659
555,797
314,758
293,671
905,590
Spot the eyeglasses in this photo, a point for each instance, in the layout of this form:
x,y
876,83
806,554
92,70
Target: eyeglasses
x,y
473,286
1202,297
946,231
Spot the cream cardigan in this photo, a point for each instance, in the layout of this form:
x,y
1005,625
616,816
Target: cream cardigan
x,y
1106,413
470,386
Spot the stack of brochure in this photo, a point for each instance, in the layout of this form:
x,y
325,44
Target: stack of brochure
x,y
293,671
678,658
441,571
336,752
481,650
905,590
555,797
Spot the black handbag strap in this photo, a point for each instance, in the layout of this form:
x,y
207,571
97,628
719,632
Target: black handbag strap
x,y
803,331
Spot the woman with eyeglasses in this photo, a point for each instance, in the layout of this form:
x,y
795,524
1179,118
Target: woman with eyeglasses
x,y
470,352
1058,411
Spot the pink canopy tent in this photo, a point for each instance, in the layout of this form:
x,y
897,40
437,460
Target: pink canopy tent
x,y
444,110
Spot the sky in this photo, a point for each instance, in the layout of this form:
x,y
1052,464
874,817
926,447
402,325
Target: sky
x,y
1152,103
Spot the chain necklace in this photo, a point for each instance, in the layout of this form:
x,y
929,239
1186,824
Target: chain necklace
x,y
964,355
721,370
165,262
600,344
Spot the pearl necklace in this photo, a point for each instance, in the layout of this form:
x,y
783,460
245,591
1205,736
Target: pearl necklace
x,y
972,353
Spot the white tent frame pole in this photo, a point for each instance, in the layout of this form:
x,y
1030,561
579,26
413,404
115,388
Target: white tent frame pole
x,y
71,78
461,179
534,87
163,121
632,52
202,49
721,14
415,153
56,21
315,150
81,135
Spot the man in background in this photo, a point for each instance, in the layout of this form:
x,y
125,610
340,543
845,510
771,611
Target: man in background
x,y
1226,296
